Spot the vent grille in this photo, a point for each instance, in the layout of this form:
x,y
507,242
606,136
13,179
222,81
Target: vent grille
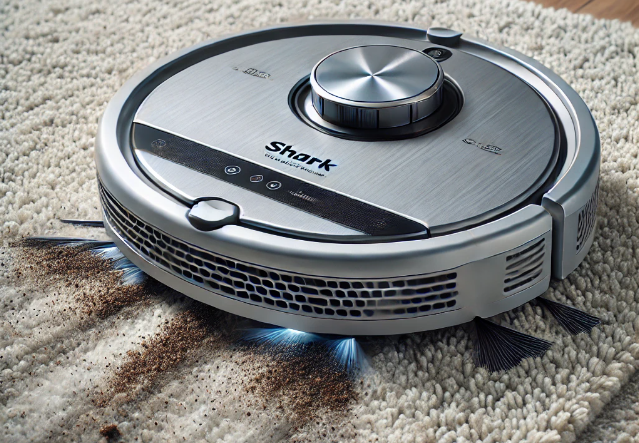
x,y
287,292
587,218
524,267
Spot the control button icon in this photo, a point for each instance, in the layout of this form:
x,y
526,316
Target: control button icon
x,y
256,178
159,143
273,185
232,170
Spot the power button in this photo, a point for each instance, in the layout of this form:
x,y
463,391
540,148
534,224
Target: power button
x,y
438,54
273,185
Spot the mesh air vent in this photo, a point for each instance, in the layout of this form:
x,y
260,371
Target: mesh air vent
x,y
586,220
294,293
524,267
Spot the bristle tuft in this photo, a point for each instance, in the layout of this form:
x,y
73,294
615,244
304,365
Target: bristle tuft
x,y
131,274
110,252
498,348
87,223
67,241
571,319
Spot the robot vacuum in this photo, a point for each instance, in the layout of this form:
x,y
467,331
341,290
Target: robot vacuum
x,y
350,178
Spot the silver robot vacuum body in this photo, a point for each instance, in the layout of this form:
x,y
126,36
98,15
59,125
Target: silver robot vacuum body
x,y
350,178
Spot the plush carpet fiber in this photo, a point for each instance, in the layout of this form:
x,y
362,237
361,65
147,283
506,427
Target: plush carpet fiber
x,y
84,358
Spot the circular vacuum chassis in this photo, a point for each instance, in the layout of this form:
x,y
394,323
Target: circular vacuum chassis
x,y
476,264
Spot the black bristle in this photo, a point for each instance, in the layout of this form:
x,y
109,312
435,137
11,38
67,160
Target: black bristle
x,y
498,348
571,319
67,241
87,223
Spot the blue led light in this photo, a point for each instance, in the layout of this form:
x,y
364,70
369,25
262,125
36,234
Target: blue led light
x,y
346,351
279,336
349,354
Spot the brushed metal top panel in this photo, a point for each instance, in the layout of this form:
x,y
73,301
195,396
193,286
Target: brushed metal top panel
x,y
238,102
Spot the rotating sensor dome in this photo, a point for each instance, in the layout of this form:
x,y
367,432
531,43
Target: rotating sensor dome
x,y
350,178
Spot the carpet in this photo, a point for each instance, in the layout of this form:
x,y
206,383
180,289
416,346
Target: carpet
x,y
84,358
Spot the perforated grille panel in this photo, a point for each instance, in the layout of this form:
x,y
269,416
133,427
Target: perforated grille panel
x,y
586,220
294,293
525,267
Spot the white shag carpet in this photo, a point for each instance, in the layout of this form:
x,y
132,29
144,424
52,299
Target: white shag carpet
x,y
62,60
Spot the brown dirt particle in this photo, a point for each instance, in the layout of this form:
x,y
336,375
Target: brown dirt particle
x,y
97,288
176,342
307,377
110,432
